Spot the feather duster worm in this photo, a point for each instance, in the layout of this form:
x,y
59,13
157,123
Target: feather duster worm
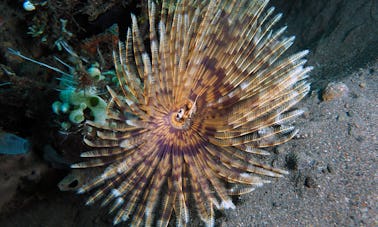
x,y
212,89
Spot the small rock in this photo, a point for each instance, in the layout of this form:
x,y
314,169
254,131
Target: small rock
x,y
341,117
310,182
334,91
306,113
292,161
280,149
330,168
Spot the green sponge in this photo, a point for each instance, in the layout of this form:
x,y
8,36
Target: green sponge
x,y
74,103
94,102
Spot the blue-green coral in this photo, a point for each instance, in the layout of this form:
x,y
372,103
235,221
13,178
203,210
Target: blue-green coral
x,y
12,144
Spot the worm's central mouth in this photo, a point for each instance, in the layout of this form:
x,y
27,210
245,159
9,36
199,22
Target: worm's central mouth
x,y
182,116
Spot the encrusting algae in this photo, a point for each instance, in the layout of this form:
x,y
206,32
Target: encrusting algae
x,y
211,93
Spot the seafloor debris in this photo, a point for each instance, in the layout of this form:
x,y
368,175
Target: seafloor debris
x,y
72,181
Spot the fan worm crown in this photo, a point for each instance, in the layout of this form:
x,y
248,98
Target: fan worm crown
x,y
193,111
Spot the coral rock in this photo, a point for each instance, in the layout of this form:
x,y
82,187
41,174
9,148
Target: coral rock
x,y
335,90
